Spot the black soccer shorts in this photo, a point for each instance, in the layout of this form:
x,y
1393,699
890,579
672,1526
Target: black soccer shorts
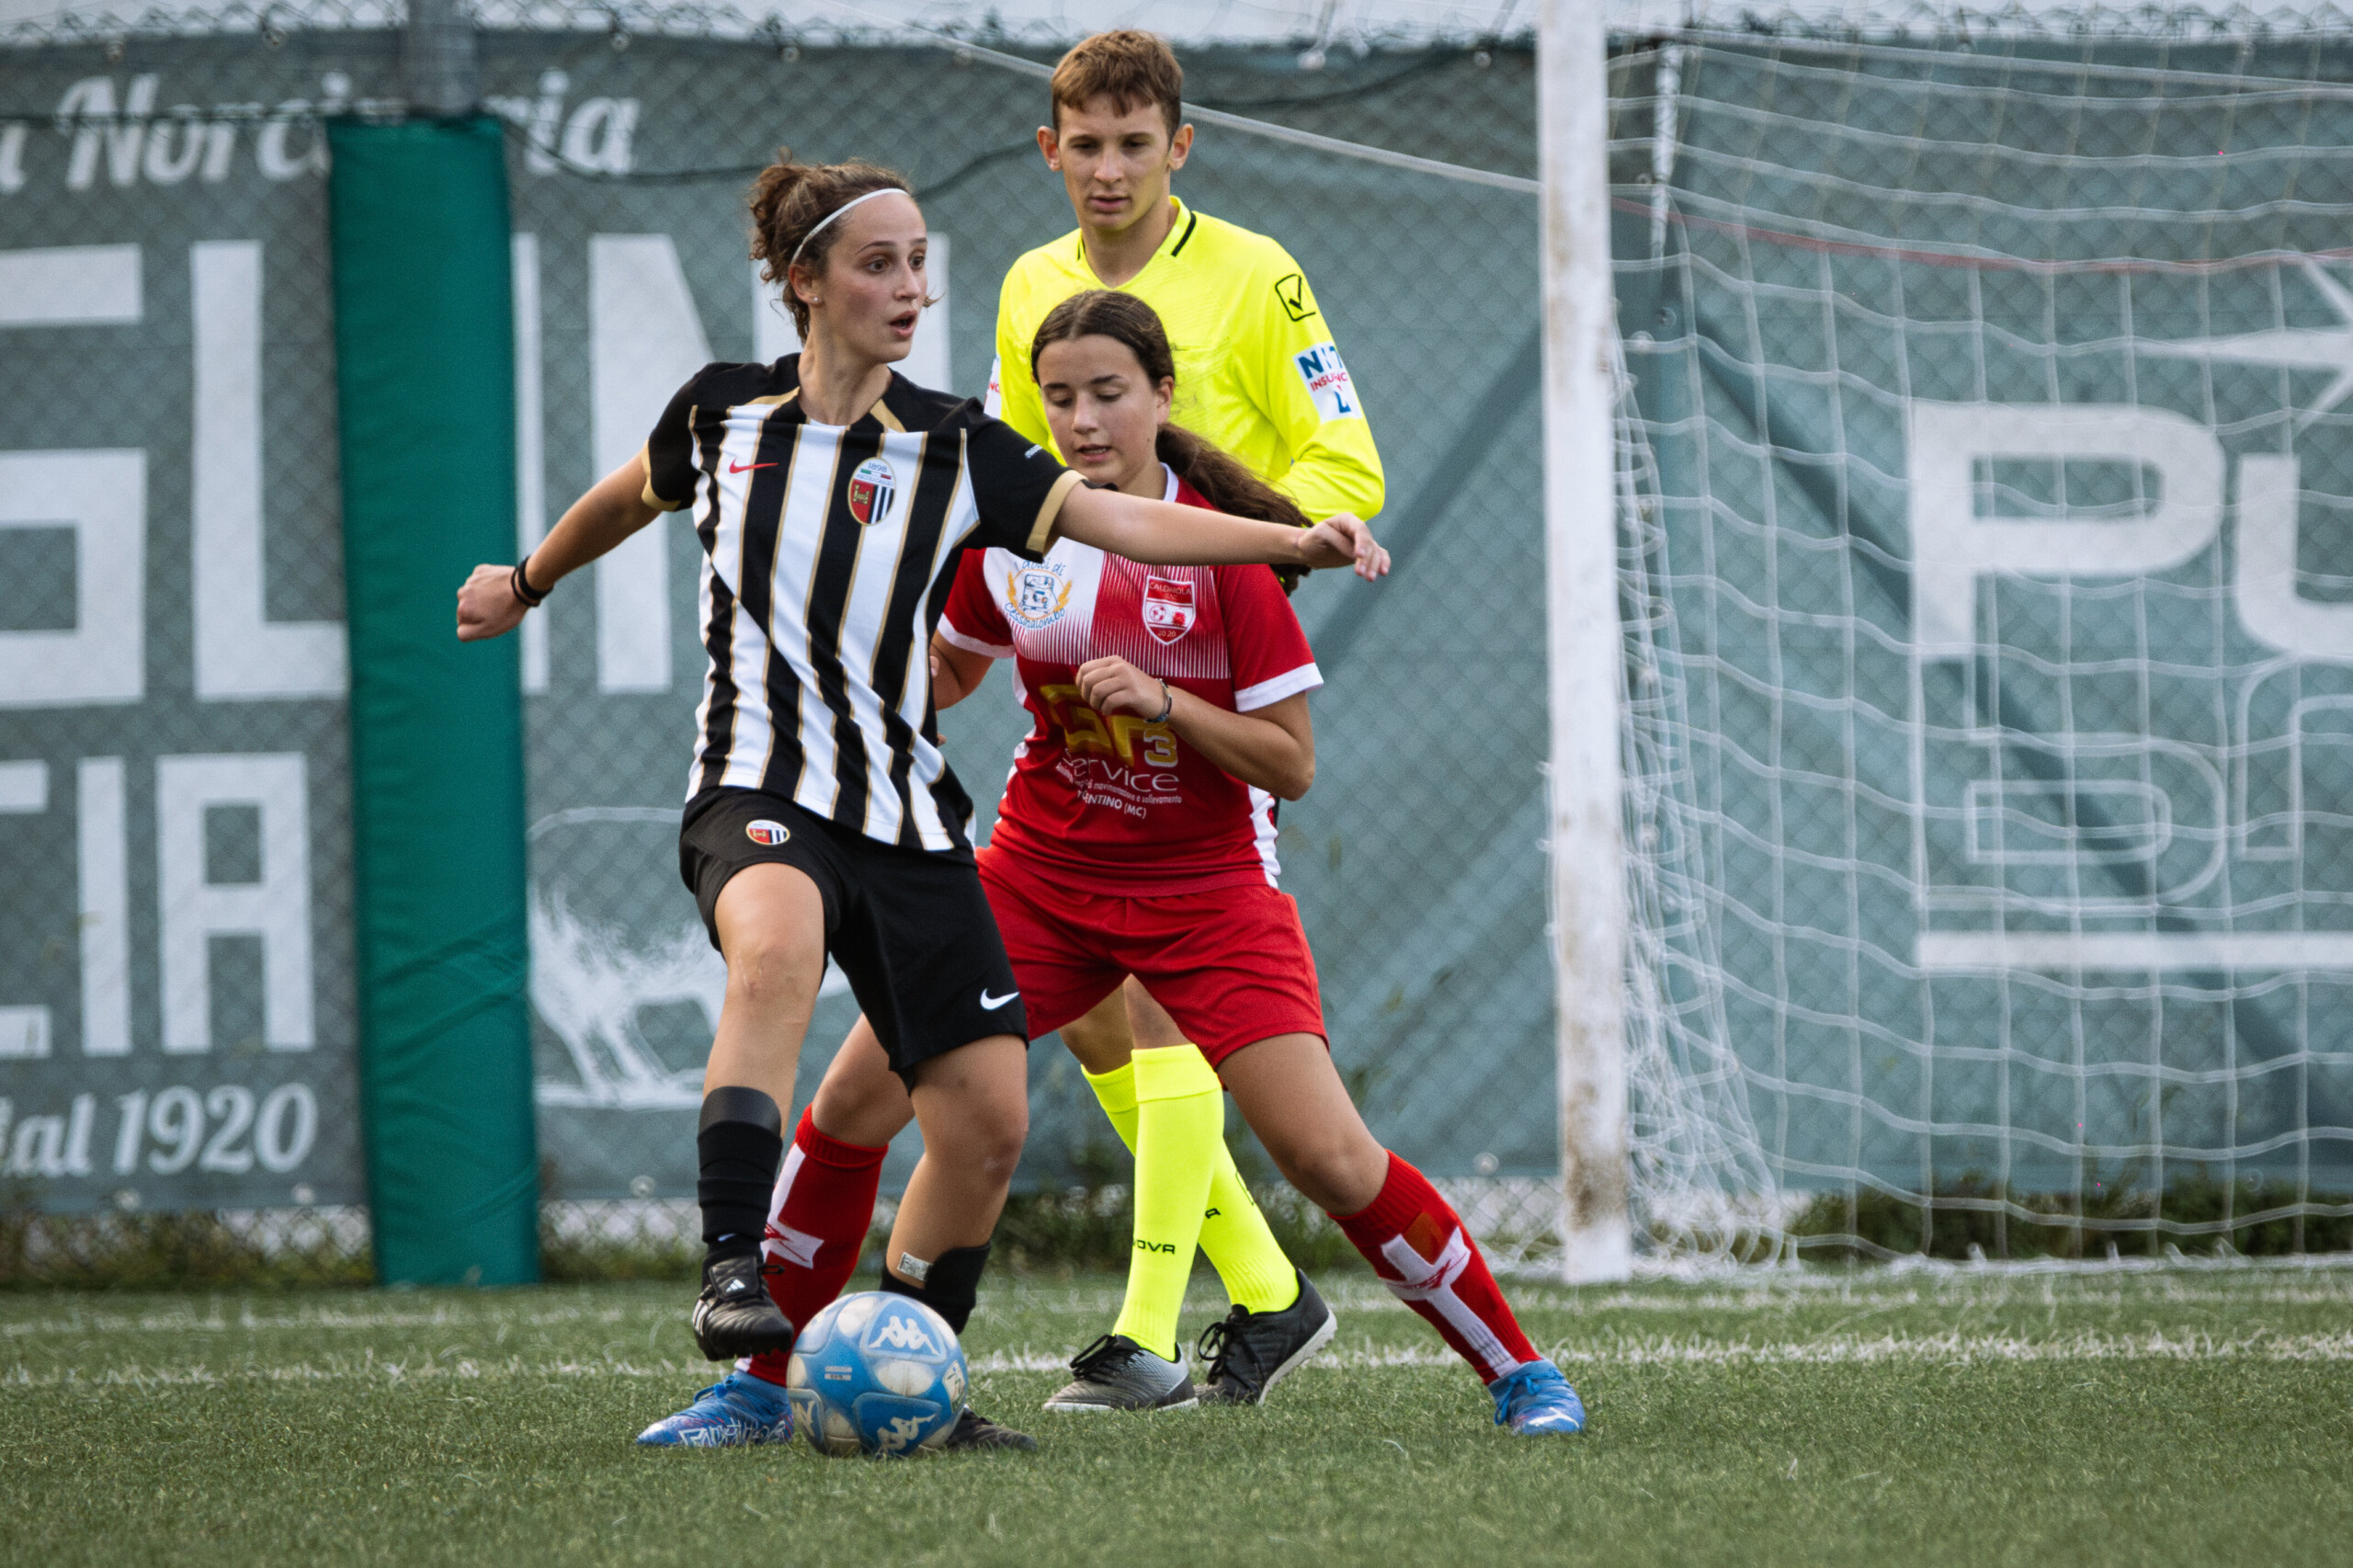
x,y
910,929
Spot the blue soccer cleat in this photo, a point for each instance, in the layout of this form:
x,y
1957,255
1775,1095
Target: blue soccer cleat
x,y
1536,1400
735,1412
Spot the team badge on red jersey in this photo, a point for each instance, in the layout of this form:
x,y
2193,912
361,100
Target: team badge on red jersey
x,y
1036,596
872,487
770,833
1167,607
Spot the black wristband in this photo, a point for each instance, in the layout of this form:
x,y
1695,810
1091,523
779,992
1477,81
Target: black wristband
x,y
532,598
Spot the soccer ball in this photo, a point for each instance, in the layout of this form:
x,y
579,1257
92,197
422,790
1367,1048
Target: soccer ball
x,y
876,1373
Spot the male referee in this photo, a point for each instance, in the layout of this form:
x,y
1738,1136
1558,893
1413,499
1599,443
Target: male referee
x,y
1258,373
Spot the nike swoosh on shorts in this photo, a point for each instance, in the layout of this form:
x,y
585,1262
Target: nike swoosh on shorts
x,y
992,1004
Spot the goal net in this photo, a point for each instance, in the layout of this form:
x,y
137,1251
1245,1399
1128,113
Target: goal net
x,y
1989,604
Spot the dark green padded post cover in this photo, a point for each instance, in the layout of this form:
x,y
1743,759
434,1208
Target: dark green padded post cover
x,y
425,370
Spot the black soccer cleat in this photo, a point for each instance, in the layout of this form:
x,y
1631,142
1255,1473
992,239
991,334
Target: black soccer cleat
x,y
1250,1352
974,1430
1116,1373
733,1316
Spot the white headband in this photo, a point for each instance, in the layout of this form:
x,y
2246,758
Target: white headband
x,y
886,190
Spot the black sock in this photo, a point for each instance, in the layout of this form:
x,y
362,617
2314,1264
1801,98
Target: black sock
x,y
740,1142
949,1288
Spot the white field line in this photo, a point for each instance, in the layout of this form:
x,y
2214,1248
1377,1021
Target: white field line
x,y
1988,1294
2172,1260
1965,1349
247,1321
1829,1350
1358,1295
1346,1295
390,1374
1936,1350
2313,1281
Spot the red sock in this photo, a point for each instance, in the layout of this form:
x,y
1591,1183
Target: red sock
x,y
817,1223
1416,1244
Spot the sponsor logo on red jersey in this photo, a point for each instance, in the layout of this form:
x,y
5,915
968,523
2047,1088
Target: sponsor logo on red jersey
x,y
1167,607
872,487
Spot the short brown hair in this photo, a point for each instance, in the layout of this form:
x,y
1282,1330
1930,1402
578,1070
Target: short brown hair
x,y
1131,68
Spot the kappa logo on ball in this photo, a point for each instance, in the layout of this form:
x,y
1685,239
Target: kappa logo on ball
x,y
1167,607
872,488
899,1435
764,831
902,1333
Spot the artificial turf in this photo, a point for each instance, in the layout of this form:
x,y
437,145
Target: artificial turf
x,y
1977,1417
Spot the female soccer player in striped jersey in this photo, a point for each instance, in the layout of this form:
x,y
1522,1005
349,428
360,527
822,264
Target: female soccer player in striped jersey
x,y
1166,704
834,501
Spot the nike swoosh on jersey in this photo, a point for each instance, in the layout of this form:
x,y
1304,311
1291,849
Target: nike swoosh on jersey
x,y
993,1004
746,468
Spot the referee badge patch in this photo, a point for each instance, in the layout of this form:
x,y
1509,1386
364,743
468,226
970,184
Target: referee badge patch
x,y
872,488
1326,378
764,831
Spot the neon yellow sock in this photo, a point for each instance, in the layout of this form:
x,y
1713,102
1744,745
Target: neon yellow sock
x,y
1115,1092
1251,1262
1257,1271
1180,1121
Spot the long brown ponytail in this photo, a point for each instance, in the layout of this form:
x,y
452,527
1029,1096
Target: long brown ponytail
x,y
1217,475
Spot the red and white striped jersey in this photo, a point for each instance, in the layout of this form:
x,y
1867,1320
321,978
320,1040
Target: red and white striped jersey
x,y
1108,802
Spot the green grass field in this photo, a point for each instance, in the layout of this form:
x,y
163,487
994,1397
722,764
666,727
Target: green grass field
x,y
2194,1415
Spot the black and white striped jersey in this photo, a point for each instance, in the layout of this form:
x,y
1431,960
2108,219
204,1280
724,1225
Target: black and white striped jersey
x,y
828,553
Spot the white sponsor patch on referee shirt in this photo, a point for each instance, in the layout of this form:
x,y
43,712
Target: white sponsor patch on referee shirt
x,y
1327,382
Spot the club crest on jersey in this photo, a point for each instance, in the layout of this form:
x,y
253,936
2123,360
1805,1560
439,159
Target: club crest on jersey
x,y
1036,596
872,488
764,831
1167,607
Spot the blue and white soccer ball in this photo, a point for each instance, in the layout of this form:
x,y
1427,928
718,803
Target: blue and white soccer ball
x,y
876,1373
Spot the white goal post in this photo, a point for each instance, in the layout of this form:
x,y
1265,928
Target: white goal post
x,y
1583,646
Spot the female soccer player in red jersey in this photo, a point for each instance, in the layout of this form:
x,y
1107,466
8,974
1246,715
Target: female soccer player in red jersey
x,y
834,501
1133,839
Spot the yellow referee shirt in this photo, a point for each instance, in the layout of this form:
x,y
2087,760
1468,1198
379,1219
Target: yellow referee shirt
x,y
1256,370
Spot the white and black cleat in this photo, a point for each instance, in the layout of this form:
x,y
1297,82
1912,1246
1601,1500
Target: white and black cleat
x,y
1250,1352
1116,1373
733,1316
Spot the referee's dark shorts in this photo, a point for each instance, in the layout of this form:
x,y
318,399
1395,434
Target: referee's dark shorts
x,y
910,929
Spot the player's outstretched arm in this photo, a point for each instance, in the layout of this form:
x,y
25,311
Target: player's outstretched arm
x,y
611,511
1162,533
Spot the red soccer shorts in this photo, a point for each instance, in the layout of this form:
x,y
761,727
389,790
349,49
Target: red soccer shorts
x,y
1231,964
